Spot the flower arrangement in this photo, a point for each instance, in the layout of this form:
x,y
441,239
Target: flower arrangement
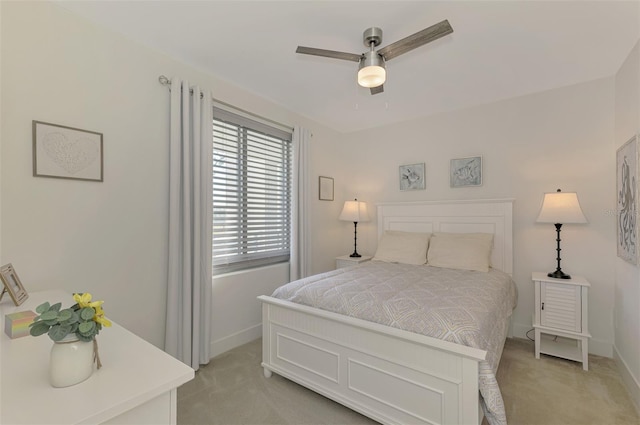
x,y
84,319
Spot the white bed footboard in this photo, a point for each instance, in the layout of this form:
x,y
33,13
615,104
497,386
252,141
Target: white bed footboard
x,y
389,375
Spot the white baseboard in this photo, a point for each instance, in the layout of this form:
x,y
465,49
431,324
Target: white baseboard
x,y
237,339
597,347
630,381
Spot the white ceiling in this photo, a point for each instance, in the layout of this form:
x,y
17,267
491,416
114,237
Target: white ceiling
x,y
499,49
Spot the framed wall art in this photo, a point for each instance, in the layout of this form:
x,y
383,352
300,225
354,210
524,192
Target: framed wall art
x,y
466,171
627,200
12,285
412,177
325,188
66,152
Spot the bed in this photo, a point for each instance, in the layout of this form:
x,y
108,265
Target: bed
x,y
389,374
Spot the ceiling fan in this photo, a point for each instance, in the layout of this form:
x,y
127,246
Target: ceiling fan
x,y
372,73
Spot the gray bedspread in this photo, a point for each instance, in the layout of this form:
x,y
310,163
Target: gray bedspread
x,y
465,307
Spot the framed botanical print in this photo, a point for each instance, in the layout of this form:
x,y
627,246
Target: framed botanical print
x,y
627,200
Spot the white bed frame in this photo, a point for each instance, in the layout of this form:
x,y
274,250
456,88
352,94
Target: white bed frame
x,y
389,375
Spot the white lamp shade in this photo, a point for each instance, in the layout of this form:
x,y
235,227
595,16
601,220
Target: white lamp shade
x,y
354,211
561,207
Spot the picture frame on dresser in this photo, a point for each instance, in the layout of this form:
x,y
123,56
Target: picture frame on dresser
x,y
12,285
627,201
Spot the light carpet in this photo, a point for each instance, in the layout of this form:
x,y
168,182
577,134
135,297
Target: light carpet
x,y
232,389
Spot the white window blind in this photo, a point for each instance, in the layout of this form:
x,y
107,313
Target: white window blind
x,y
251,193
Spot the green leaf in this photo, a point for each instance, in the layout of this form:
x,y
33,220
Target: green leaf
x,y
39,328
49,315
57,333
75,318
51,322
87,313
56,307
87,328
42,308
85,338
64,315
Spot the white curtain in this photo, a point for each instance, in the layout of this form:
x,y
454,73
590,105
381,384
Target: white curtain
x,y
188,327
299,259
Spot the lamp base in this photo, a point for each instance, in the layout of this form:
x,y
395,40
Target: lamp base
x,y
355,255
559,274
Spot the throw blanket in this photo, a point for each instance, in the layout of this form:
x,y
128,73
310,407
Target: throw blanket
x,y
466,307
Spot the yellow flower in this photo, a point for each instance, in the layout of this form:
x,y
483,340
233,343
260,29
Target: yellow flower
x,y
102,320
99,317
84,300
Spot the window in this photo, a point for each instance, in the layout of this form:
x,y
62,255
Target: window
x,y
251,193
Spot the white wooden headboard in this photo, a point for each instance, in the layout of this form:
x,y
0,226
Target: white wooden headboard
x,y
467,216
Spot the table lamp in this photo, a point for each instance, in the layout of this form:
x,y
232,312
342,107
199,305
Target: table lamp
x,y
355,211
560,208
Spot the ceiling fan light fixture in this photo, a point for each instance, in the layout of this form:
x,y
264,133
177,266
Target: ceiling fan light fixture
x,y
372,72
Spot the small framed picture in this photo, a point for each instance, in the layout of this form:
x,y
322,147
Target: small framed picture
x,y
326,188
412,177
66,153
466,171
12,284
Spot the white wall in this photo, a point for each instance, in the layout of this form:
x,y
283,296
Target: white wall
x,y
530,145
109,238
627,288
237,313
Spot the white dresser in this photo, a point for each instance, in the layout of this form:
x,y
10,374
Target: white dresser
x,y
137,383
560,317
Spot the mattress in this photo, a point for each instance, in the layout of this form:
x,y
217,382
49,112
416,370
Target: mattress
x,y
465,307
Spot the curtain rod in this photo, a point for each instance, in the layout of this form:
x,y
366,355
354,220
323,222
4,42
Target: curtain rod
x,y
167,82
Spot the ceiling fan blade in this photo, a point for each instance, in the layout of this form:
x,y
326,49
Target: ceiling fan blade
x,y
376,90
418,39
328,53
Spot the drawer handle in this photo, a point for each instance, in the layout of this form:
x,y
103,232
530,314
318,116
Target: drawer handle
x,y
543,306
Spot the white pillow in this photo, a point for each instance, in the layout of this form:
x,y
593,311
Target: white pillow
x,y
403,247
465,251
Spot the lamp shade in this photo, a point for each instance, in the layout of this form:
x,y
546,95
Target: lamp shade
x,y
354,211
561,207
372,72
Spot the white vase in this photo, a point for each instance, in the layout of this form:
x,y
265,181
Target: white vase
x,y
70,362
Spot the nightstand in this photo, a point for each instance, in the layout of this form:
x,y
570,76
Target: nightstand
x,y
346,261
560,317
